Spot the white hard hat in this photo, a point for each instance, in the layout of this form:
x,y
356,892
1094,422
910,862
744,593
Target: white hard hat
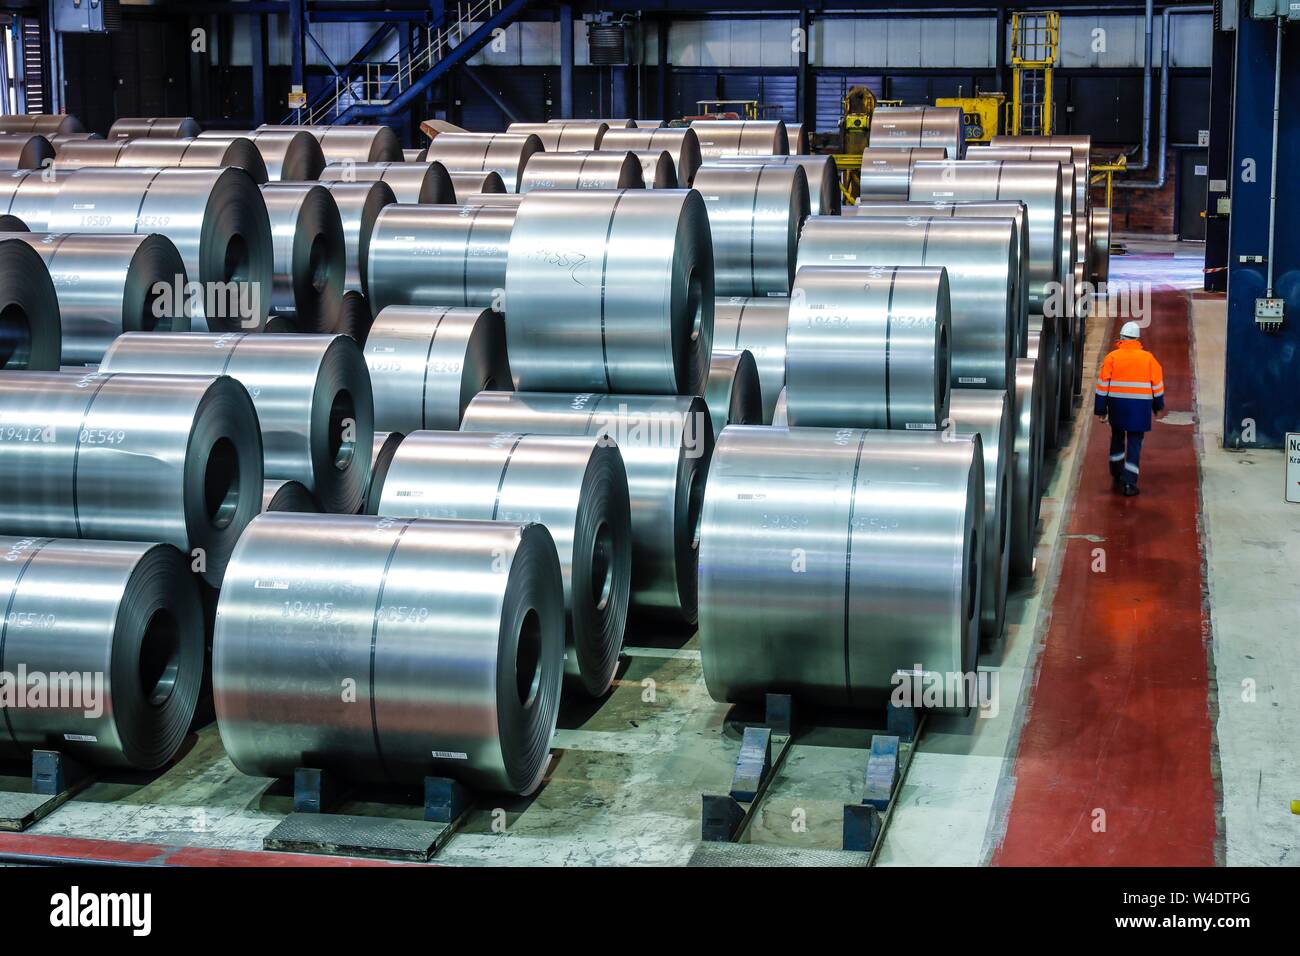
x,y
1130,330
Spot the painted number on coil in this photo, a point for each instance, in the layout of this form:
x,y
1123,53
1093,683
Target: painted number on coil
x,y
102,436
19,433
402,614
311,610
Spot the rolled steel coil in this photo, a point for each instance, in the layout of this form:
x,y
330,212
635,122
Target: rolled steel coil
x,y
439,256
733,395
886,171
929,126
682,144
1037,185
830,559
741,138
657,169
755,214
122,621
31,336
564,136
620,123
355,316
354,144
426,364
988,413
46,124
285,495
143,127
980,256
28,196
1049,154
414,155
575,486
823,177
58,139
595,170
644,124
310,254
779,417
665,441
382,451
1100,231
869,348
410,182
450,632
107,285
154,153
1028,446
503,153
1080,145
757,326
217,219
311,392
798,139
465,184
31,151
500,200
176,459
624,305
289,155
12,224
1045,347
359,205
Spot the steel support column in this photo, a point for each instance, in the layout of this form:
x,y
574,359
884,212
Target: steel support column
x,y
566,61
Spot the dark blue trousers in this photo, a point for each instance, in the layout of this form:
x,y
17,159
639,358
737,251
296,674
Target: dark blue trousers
x,y
1125,454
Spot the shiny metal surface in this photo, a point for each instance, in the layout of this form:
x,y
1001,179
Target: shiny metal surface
x,y
382,451
289,155
1026,496
216,218
797,137
503,153
357,144
1037,185
755,213
1050,154
930,126
657,169
869,347
354,316
451,634
741,138
46,124
122,621
1080,145
1045,347
28,196
575,486
110,284
413,155
988,413
176,459
610,291
310,254
563,136
137,127
886,171
779,417
823,177
12,224
439,256
666,442
832,558
465,184
410,182
1100,232
359,205
733,395
311,392
280,494
31,336
683,145
158,153
426,363
758,326
587,170
980,256
30,151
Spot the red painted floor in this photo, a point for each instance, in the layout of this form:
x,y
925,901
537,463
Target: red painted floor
x,y
47,847
1119,717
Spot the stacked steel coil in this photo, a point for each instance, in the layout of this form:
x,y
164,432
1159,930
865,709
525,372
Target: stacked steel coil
x,y
657,169
682,144
1028,447
575,486
452,631
757,326
468,183
823,177
143,127
310,254
29,197
504,153
359,205
283,494
564,136
289,155
588,170
797,136
382,451
624,305
886,171
1045,348
351,144
311,392
1100,231
741,138
31,326
733,394
31,151
157,153
410,182
45,124
930,126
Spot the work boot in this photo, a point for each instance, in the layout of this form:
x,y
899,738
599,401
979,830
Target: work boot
x,y
1116,483
1130,491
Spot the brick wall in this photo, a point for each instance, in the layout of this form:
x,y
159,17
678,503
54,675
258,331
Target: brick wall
x,y
1143,210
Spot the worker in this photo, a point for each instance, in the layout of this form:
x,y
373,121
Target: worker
x,y
1130,387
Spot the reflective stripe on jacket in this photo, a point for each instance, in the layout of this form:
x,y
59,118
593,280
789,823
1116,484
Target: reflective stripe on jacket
x,y
1130,386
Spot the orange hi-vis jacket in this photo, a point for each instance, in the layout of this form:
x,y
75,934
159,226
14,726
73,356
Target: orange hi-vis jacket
x,y
1130,386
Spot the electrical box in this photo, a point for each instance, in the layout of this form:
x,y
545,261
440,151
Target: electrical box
x,y
1272,9
1269,314
85,16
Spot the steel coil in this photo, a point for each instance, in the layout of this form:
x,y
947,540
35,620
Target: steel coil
x,y
1028,446
980,255
1100,232
823,177
121,620
503,153
216,218
311,392
310,254
58,139
1045,347
107,285
427,363
657,169
351,144
575,486
355,316
886,171
930,126
741,138
564,136
625,304
176,459
755,214
1050,154
289,155
411,182
500,200
28,196
779,417
832,558
733,395
1037,185
758,326
139,127
665,441
798,139
595,170
1080,145
466,184
439,256
869,348
682,144
281,494
450,632
359,205
46,124
414,155
29,151
645,124
157,153
12,224
30,322
382,451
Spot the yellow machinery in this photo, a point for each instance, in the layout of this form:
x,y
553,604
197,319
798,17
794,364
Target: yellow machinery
x,y
1035,45
981,114
737,109
858,105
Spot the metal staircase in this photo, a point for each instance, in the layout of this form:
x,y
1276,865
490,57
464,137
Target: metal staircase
x,y
1035,42
33,65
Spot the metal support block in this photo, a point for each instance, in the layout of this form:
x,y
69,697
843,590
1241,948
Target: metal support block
x,y
56,778
861,827
903,722
882,772
720,819
54,772
753,764
779,713
315,791
445,800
